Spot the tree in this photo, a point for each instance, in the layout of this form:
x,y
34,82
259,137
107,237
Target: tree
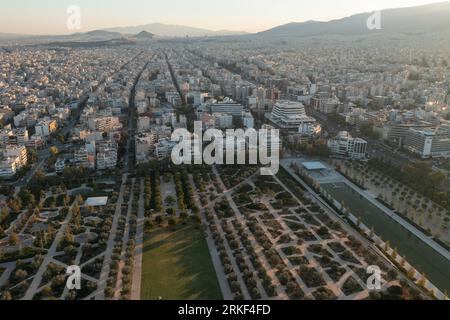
x,y
170,201
7,296
47,291
13,239
54,151
159,219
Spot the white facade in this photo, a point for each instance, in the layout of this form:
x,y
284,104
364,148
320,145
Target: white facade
x,y
233,109
224,121
104,124
309,129
429,143
45,127
12,159
143,124
347,147
248,120
290,115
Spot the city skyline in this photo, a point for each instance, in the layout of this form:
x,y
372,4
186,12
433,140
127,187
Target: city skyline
x,y
49,17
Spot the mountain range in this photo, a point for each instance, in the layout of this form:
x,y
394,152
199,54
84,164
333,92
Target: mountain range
x,y
422,19
413,21
167,30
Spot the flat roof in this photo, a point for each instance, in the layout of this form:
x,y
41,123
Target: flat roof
x,y
313,166
96,202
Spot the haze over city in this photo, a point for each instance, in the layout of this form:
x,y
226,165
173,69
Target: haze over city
x,y
48,17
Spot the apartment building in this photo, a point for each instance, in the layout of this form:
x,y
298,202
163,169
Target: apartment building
x,y
45,127
12,159
345,146
104,124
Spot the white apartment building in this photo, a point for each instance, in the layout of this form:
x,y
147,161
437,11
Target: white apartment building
x,y
143,124
81,157
8,168
345,146
60,165
310,129
107,159
326,105
429,143
5,135
248,120
45,127
12,159
17,152
104,124
106,156
223,121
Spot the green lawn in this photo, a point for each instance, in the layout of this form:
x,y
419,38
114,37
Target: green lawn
x,y
177,266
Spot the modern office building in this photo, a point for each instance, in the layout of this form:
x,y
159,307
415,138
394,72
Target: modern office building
x,y
231,108
429,143
290,116
396,132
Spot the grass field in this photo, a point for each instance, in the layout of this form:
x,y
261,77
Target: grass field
x,y
177,265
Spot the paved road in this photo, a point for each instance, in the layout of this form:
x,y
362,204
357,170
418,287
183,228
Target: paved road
x,y
110,246
34,286
125,238
137,272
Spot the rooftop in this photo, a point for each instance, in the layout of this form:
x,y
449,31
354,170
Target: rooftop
x,y
96,202
314,166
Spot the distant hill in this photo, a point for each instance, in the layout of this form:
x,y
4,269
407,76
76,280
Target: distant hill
x,y
95,35
82,37
144,35
422,19
167,30
11,35
91,44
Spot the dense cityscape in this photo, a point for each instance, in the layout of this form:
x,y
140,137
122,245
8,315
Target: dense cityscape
x,y
87,177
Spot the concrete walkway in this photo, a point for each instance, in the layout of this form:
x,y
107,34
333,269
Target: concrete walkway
x,y
137,272
110,246
125,238
49,256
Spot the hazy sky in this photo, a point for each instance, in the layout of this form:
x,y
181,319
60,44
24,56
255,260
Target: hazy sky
x,y
50,16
